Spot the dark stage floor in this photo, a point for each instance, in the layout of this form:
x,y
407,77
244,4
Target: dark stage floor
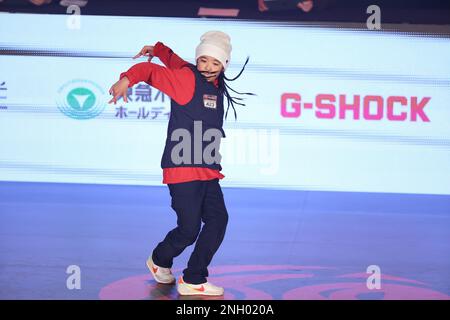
x,y
279,245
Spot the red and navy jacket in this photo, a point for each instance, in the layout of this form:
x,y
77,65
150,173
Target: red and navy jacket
x,y
181,81
195,129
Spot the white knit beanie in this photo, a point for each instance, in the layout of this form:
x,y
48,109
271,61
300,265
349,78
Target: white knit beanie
x,y
216,44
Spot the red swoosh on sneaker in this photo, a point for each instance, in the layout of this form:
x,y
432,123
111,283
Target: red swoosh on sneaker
x,y
201,289
154,269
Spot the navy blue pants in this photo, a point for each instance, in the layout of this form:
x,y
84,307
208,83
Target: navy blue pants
x,y
194,202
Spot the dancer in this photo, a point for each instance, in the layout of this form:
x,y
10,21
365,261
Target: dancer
x,y
196,93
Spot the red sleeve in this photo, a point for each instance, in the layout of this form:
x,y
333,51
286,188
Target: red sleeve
x,y
178,84
168,57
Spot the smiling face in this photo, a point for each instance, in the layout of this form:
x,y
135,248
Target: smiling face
x,y
209,67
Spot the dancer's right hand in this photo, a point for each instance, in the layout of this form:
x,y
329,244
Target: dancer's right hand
x,y
119,89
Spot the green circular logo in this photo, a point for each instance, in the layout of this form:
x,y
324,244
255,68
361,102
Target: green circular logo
x,y
81,99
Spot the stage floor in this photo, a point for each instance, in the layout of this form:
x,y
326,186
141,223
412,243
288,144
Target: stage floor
x,y
279,244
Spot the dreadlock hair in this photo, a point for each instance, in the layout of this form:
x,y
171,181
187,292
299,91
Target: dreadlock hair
x,y
224,87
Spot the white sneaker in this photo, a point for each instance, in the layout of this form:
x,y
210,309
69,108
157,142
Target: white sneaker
x,y
204,289
161,275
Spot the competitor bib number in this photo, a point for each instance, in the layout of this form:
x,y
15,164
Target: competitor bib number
x,y
210,101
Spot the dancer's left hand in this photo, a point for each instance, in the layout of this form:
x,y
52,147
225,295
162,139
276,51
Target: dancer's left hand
x,y
146,51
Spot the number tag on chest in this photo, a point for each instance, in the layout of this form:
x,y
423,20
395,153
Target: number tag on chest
x,y
210,101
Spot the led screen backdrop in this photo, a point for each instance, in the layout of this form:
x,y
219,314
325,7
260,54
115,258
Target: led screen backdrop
x,y
337,109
